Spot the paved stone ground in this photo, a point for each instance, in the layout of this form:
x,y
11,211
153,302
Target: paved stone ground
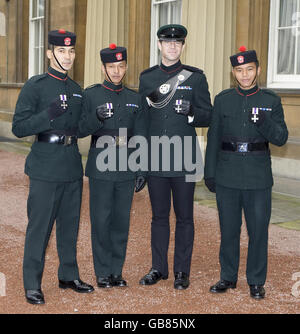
x,y
282,287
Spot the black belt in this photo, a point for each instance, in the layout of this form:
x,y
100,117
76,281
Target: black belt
x,y
244,147
115,140
52,138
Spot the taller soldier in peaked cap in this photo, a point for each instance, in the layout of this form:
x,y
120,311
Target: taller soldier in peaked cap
x,y
109,109
49,107
238,168
177,101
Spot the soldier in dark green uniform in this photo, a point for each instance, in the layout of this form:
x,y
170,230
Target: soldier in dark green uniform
x,y
178,102
49,106
238,169
109,107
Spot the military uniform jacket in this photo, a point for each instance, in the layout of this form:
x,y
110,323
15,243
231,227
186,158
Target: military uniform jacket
x,y
230,122
165,122
49,162
128,114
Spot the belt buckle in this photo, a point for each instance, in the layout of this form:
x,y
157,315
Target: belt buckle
x,y
122,141
67,140
242,147
119,140
54,139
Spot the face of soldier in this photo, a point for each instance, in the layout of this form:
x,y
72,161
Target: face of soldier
x,y
65,55
246,75
170,51
115,72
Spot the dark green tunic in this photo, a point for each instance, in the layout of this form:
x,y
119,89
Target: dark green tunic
x,y
165,122
128,114
230,122
48,162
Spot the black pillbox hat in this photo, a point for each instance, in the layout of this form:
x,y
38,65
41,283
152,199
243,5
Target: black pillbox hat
x,y
113,54
244,57
61,38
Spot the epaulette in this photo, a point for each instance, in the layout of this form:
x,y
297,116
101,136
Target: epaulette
x,y
192,69
93,86
150,69
226,91
268,91
73,81
131,90
38,77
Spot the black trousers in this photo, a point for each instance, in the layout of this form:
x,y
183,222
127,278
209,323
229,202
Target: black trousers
x,y
49,202
110,205
256,205
160,191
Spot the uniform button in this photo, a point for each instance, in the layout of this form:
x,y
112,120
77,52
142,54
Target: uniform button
x,y
119,105
119,119
166,116
165,131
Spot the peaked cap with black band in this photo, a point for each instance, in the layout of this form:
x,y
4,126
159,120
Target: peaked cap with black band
x,y
113,54
172,32
244,57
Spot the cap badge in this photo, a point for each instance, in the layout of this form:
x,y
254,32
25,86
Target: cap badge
x,y
119,56
67,41
240,59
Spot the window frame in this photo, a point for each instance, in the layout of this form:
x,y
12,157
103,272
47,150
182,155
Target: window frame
x,y
274,80
32,27
2,25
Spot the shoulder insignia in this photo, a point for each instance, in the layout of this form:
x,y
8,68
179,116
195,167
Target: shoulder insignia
x,y
226,91
192,69
150,69
73,81
93,86
38,77
268,91
131,90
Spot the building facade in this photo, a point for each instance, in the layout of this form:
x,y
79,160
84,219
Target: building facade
x,y
216,30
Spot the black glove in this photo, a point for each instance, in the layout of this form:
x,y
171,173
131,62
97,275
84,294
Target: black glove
x,y
104,112
183,107
57,108
140,183
210,184
257,118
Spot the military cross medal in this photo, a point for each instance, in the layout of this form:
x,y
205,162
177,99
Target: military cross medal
x,y
255,113
110,107
178,104
63,98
